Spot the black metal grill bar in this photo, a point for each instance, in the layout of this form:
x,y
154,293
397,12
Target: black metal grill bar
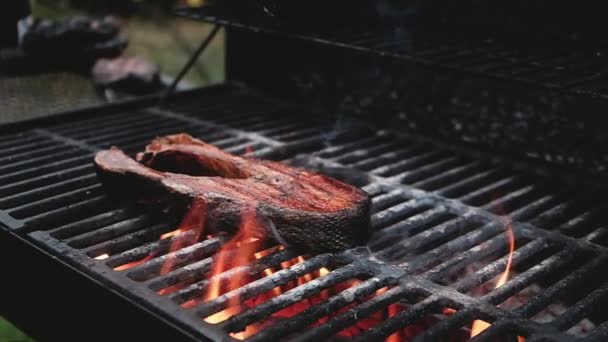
x,y
349,157
35,211
104,129
9,140
422,173
266,284
12,180
50,203
33,163
575,278
413,219
581,309
179,258
246,117
460,188
515,199
341,149
15,179
448,177
405,164
599,334
91,223
297,135
387,200
539,206
453,266
138,133
266,127
62,215
227,105
34,195
104,123
37,152
350,317
562,212
395,213
598,236
447,327
197,290
495,332
65,140
242,147
579,225
184,276
435,244
140,137
111,231
484,194
128,241
315,286
197,271
400,320
196,121
457,245
497,267
437,227
389,157
152,250
314,313
18,150
291,133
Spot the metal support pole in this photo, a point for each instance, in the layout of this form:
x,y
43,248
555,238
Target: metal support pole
x,y
204,44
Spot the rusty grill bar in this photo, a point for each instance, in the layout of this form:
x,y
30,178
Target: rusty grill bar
x,y
437,213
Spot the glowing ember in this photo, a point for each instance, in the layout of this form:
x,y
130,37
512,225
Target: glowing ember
x,y
102,257
478,325
448,311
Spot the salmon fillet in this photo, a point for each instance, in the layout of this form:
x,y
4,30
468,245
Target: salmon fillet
x,y
299,208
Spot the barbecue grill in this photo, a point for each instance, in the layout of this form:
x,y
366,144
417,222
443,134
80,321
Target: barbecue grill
x,y
457,141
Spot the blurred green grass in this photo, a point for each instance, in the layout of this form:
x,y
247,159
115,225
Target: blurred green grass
x,y
8,333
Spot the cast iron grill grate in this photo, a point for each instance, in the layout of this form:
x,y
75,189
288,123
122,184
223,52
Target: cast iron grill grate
x,y
439,221
581,71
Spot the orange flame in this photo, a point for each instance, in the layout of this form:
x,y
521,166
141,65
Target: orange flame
x,y
478,325
244,241
195,221
133,263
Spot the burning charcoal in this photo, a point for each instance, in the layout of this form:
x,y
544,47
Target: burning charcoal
x,y
295,207
133,74
78,39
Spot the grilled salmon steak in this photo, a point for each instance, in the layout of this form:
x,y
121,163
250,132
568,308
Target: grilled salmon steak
x,y
302,209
